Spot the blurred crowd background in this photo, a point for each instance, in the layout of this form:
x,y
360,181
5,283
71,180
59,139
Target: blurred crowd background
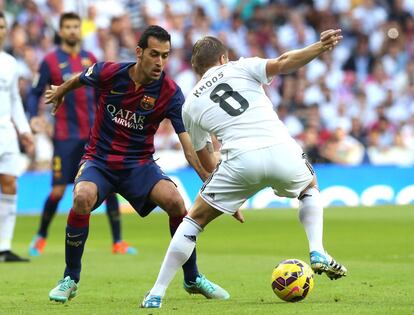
x,y
353,105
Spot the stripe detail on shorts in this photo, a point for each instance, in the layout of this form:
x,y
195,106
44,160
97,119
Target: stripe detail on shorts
x,y
309,166
210,177
216,206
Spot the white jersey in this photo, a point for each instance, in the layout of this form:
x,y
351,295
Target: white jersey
x,y
11,108
229,102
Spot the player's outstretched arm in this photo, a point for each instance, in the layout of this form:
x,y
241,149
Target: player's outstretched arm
x,y
294,59
192,157
56,94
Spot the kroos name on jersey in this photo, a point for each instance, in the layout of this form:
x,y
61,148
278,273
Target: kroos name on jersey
x,y
208,84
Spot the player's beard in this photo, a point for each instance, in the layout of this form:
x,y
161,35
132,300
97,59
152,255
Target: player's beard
x,y
71,42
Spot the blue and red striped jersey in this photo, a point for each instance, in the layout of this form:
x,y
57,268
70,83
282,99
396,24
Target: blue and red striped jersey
x,y
75,116
127,118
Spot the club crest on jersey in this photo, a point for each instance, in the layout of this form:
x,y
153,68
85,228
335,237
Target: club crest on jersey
x,y
63,65
86,62
148,102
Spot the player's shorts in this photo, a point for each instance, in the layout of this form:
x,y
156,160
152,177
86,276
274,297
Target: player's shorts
x,y
67,155
10,157
134,184
282,167
10,164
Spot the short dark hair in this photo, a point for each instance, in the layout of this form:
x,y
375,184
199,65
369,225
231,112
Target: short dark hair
x,y
68,16
206,53
153,31
2,15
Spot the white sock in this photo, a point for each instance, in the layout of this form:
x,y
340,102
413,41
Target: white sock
x,y
8,205
311,217
180,249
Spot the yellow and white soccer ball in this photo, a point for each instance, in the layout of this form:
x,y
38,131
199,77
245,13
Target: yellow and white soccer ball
x,y
292,280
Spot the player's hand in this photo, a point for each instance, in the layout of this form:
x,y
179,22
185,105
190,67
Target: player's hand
x,y
239,216
52,97
28,143
331,38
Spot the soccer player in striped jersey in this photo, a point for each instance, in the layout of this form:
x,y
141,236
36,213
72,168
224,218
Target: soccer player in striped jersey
x,y
257,150
134,98
71,129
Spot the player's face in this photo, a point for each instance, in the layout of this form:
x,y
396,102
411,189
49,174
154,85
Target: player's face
x,y
154,58
3,31
70,32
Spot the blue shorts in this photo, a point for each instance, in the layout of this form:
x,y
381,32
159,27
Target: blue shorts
x,y
134,184
67,155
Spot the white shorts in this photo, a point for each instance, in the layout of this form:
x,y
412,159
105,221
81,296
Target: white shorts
x,y
282,167
11,164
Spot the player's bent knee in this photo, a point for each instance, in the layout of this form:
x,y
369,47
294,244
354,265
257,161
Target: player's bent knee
x,y
57,197
83,202
8,185
9,189
58,192
174,206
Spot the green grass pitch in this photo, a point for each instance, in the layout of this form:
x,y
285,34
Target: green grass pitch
x,y
376,244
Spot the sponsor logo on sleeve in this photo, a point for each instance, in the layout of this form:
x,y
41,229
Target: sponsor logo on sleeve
x,y
90,70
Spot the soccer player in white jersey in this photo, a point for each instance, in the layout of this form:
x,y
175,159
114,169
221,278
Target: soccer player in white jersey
x,y
257,151
12,117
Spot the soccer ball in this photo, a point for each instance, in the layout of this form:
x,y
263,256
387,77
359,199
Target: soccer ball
x,y
292,280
